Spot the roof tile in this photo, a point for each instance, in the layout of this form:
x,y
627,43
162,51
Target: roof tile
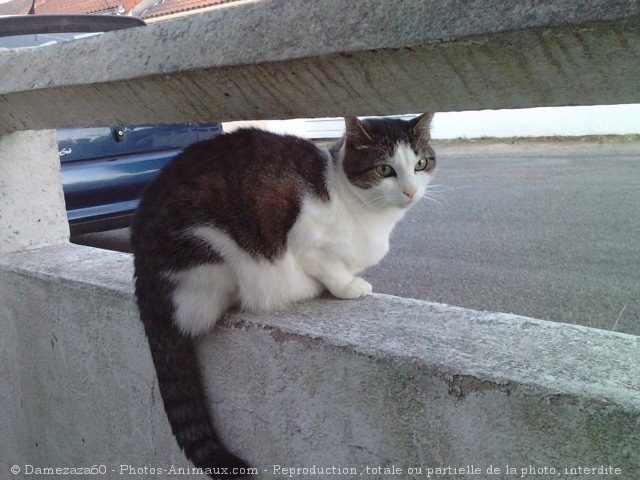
x,y
169,7
61,7
81,6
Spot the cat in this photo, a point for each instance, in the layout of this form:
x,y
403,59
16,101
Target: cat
x,y
260,220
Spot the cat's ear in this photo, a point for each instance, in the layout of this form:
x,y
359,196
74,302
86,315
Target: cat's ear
x,y
421,127
355,131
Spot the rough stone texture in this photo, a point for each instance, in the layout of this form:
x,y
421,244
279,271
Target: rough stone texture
x,y
294,58
380,381
32,208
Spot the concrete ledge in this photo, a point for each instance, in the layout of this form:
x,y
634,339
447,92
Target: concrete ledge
x,y
379,382
337,58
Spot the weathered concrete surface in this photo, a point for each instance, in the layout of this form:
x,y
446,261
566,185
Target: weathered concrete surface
x,y
77,385
294,58
380,381
32,208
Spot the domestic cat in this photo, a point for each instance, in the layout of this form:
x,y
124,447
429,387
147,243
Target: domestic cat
x,y
261,220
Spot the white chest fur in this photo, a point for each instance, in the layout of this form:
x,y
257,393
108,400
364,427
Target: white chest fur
x,y
336,231
334,240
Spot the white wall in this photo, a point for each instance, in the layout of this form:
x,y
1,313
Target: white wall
x,y
529,122
540,122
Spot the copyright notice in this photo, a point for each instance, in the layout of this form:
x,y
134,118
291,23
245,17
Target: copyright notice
x,y
317,471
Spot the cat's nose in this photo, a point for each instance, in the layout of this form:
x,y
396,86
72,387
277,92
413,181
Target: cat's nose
x,y
409,193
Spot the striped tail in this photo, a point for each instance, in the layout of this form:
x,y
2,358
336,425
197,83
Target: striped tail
x,y
184,400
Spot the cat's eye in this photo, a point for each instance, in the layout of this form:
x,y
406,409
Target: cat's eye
x,y
383,170
425,164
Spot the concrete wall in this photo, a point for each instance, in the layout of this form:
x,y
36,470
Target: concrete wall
x,y
540,122
77,385
377,382
380,382
33,211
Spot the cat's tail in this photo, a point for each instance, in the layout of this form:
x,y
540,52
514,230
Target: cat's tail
x,y
184,400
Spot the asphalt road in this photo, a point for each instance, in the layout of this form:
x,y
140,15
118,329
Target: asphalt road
x,y
546,230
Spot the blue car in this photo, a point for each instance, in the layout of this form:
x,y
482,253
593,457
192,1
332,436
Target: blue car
x,y
104,170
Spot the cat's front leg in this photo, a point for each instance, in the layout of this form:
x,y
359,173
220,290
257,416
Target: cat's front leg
x,y
356,288
340,282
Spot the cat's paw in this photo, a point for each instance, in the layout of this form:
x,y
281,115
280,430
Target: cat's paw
x,y
355,289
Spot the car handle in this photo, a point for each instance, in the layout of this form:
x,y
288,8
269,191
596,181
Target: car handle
x,y
118,134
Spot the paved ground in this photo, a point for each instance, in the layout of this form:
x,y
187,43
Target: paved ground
x,y
547,230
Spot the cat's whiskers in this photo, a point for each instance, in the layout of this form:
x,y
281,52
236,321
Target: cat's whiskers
x,y
433,193
443,189
371,147
377,202
375,148
432,197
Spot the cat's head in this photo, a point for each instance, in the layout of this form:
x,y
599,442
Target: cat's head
x,y
388,161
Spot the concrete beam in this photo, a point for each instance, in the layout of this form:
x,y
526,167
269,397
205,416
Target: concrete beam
x,y
294,58
377,382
